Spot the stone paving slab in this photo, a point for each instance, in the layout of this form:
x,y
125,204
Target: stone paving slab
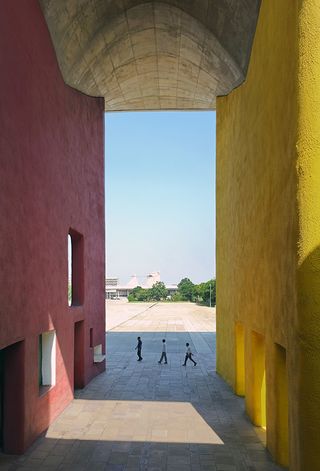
x,y
142,416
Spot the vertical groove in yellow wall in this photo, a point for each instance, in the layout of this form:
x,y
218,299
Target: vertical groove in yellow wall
x,y
281,389
258,380
240,361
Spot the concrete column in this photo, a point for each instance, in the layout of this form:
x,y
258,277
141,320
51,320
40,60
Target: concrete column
x,y
305,448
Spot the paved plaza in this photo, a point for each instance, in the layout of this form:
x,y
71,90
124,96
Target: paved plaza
x,y
151,417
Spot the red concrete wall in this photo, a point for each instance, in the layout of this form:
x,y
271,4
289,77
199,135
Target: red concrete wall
x,y
51,180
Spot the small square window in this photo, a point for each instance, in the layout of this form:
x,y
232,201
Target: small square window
x,y
98,356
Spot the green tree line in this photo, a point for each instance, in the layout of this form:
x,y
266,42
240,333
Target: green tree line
x,y
203,293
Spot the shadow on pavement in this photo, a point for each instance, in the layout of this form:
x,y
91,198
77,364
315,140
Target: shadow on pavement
x,y
151,417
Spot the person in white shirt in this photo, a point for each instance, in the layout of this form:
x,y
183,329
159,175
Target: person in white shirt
x,y
164,353
189,356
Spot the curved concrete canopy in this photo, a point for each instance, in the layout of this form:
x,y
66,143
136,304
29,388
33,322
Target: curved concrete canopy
x,y
142,55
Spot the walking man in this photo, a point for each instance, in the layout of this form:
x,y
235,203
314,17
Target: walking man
x,y
164,353
139,348
189,356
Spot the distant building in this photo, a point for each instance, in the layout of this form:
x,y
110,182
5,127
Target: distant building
x,y
112,281
114,290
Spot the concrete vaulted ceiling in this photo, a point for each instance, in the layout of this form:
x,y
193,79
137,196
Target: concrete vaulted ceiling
x,y
142,55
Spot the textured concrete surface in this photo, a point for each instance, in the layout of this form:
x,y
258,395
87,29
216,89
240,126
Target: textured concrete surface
x,y
257,229
307,338
150,417
153,55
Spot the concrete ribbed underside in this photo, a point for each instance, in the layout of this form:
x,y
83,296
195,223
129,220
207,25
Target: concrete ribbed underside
x,y
152,55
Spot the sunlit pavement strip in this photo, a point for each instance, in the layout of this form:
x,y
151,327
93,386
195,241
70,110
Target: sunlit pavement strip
x,y
145,416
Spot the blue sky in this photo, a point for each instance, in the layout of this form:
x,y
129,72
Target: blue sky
x,y
160,190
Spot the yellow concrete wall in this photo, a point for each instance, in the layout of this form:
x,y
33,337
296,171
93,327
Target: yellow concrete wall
x,y
307,340
257,216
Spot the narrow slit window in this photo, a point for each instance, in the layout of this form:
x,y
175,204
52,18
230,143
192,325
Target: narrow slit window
x,y
75,269
91,337
69,270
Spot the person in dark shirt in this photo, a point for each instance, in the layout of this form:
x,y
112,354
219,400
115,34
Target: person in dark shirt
x,y
139,348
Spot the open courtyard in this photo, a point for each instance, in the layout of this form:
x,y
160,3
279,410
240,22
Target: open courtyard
x,y
151,417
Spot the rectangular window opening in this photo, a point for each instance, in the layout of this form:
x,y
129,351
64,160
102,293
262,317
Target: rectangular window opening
x,y
98,355
75,269
47,361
